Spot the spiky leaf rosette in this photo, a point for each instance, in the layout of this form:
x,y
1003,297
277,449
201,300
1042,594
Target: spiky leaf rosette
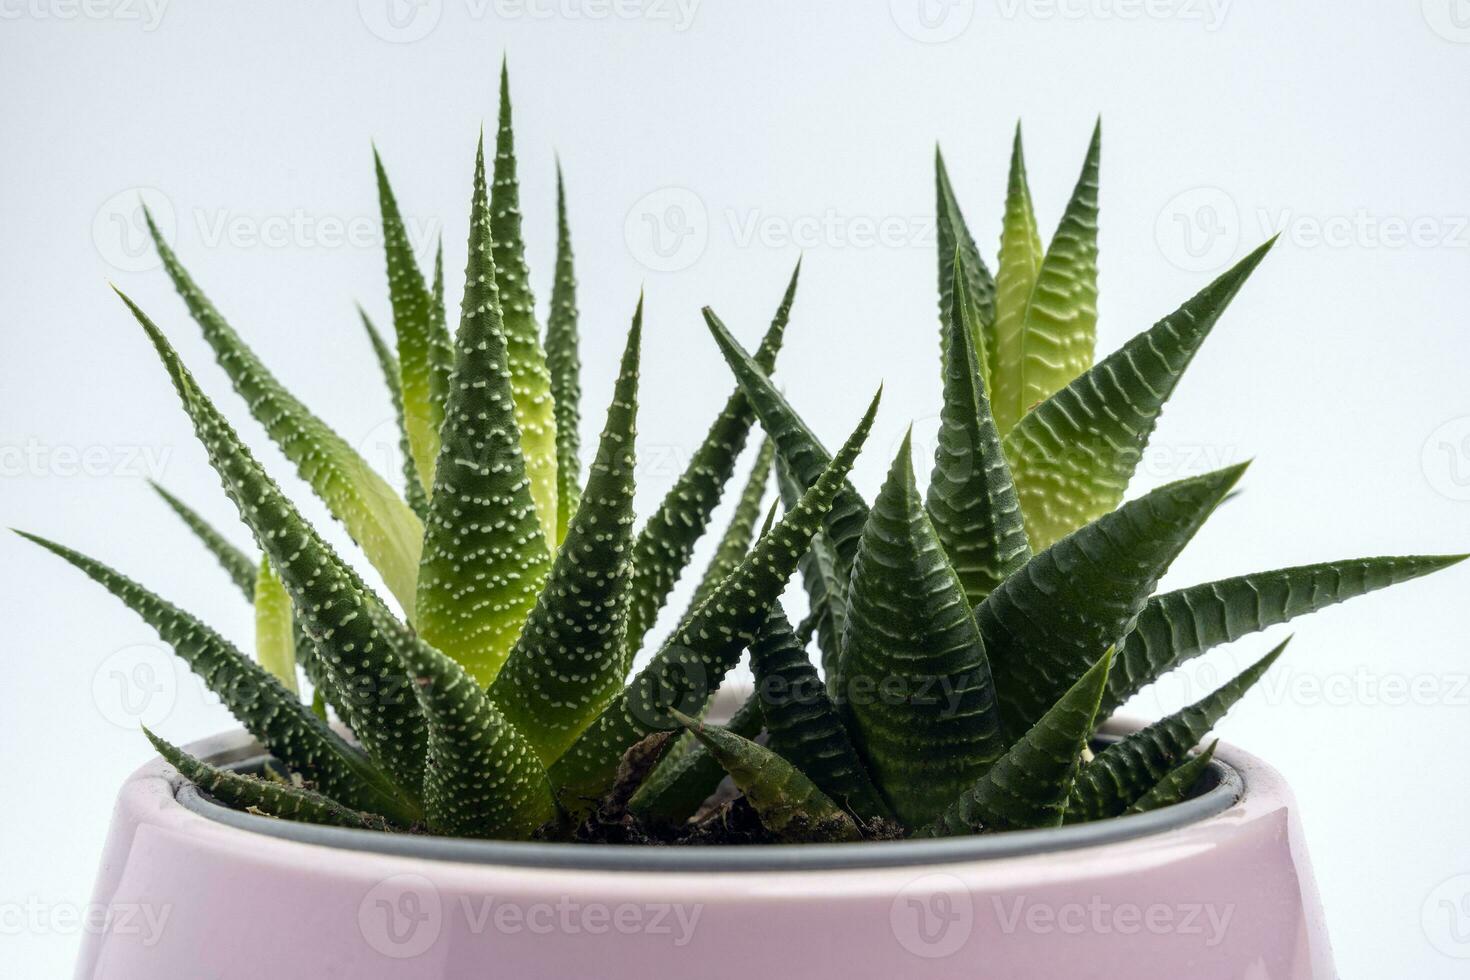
x,y
954,236
424,352
1177,783
1016,269
1126,770
333,605
1045,623
565,667
237,564
274,799
972,499
1059,324
413,487
1029,785
916,682
789,804
485,556
1177,626
688,774
482,777
1073,454
666,541
529,377
275,634
804,725
378,520
564,365
694,660
257,699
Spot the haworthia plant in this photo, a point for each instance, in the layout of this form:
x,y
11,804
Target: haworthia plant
x,y
973,638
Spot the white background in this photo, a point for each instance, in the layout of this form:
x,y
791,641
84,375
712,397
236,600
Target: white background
x,y
744,135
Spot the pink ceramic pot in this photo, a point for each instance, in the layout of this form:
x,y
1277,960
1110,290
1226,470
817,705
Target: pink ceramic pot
x,y
1217,887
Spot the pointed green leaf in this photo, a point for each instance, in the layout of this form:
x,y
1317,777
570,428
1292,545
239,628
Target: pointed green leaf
x,y
1177,626
413,489
485,559
789,804
1073,455
566,667
423,345
235,562
564,364
688,775
256,795
1028,787
383,526
271,713
530,378
695,659
666,542
1125,770
1177,783
805,727
972,500
1083,594
826,588
954,237
916,683
333,605
1015,275
482,778
275,635
735,542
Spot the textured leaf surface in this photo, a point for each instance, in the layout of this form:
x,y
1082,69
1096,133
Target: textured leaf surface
x,y
693,662
826,589
789,804
1028,787
485,559
1073,455
564,364
383,526
275,635
335,607
413,488
1177,783
688,774
1015,276
1177,626
566,667
530,378
1059,324
667,540
237,564
741,531
1127,769
274,799
270,712
424,353
482,778
972,499
805,727
916,684
1046,623
954,237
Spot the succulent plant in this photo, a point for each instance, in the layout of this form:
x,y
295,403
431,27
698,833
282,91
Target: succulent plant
x,y
971,637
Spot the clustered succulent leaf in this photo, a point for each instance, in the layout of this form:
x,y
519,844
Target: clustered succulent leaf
x,y
971,638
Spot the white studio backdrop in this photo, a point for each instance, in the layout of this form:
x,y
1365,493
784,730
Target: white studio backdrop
x,y
706,146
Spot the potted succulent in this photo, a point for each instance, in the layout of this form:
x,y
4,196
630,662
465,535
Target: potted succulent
x,y
477,786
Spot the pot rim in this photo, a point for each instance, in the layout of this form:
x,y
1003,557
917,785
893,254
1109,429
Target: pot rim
x,y
238,750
